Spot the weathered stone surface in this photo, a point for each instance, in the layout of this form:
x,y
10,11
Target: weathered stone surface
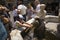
x,y
51,26
51,18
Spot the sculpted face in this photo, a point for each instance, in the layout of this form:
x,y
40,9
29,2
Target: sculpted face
x,y
42,6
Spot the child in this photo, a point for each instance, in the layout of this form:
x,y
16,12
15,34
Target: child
x,y
30,12
19,23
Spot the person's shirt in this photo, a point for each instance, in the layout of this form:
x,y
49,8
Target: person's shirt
x,y
23,9
29,11
17,26
14,12
33,15
17,23
3,32
41,14
37,7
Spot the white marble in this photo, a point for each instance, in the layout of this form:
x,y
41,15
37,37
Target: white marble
x,y
50,26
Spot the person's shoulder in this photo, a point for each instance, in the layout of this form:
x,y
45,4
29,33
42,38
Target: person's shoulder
x,y
38,5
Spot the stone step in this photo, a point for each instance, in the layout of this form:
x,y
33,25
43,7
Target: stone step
x,y
51,18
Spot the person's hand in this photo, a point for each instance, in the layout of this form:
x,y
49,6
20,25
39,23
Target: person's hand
x,y
28,25
31,25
